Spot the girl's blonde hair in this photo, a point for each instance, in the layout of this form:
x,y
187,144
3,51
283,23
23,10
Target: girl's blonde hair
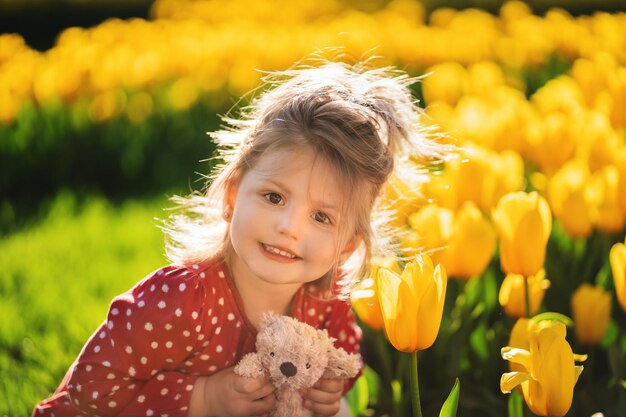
x,y
360,120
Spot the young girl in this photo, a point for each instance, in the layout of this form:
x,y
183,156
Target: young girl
x,y
274,231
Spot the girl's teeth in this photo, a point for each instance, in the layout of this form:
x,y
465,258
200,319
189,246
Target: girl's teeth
x,y
279,252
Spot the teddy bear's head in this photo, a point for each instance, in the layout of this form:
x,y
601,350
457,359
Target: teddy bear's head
x,y
293,353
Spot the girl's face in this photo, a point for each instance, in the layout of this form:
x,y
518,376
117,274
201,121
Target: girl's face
x,y
285,220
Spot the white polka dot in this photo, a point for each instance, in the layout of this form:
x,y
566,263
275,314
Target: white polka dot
x,y
112,404
154,345
189,348
204,357
143,360
342,336
165,288
218,348
94,395
351,340
115,388
220,274
169,344
213,290
129,349
231,316
164,391
220,301
140,295
129,326
214,320
212,368
141,398
115,311
198,328
200,336
161,377
218,330
169,360
168,326
107,364
194,315
182,287
128,312
189,387
148,326
202,275
149,412
141,303
88,368
186,333
161,304
311,312
131,371
195,266
110,325
79,388
102,335
96,349
160,272
178,312
152,288
153,372
328,309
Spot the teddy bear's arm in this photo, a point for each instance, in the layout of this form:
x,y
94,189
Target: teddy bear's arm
x,y
250,366
341,364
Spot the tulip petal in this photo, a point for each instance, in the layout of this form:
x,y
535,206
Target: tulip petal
x,y
517,355
510,380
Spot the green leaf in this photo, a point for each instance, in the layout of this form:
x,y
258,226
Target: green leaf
x,y
449,407
516,405
553,316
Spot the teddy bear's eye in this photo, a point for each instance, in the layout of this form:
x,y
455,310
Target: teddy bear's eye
x,y
272,354
308,365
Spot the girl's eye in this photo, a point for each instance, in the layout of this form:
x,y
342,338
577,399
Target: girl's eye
x,y
273,198
321,217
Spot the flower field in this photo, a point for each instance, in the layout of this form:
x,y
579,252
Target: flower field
x,y
522,296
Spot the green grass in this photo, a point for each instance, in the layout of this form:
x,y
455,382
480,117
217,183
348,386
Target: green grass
x,y
57,278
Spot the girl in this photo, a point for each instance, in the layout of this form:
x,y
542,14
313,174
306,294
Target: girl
x,y
274,232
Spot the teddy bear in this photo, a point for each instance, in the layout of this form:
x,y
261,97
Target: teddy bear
x,y
295,355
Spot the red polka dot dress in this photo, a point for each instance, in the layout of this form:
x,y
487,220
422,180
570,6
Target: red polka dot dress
x,y
175,325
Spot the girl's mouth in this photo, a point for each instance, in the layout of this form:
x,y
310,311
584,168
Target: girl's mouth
x,y
279,252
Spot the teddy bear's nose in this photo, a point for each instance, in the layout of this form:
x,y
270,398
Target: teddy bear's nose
x,y
288,369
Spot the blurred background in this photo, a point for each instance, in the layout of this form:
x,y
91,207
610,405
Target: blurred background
x,y
105,106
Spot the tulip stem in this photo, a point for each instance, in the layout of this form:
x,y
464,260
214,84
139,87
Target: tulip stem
x,y
527,297
415,389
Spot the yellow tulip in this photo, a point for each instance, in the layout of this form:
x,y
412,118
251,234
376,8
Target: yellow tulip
x,y
617,257
430,230
591,311
549,371
620,163
412,303
512,295
472,244
602,192
364,297
524,222
569,200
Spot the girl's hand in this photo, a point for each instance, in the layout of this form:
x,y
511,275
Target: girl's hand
x,y
226,394
324,397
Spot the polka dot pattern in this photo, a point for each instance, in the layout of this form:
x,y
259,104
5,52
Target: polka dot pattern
x,y
176,324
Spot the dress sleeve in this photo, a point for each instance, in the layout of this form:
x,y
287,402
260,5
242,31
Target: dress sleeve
x,y
341,324
128,366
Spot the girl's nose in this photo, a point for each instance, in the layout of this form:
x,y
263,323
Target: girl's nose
x,y
289,223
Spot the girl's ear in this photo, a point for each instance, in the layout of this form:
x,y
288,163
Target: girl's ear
x,y
228,205
349,248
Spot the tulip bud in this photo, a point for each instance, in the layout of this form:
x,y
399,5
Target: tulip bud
x,y
524,222
512,295
591,311
617,257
